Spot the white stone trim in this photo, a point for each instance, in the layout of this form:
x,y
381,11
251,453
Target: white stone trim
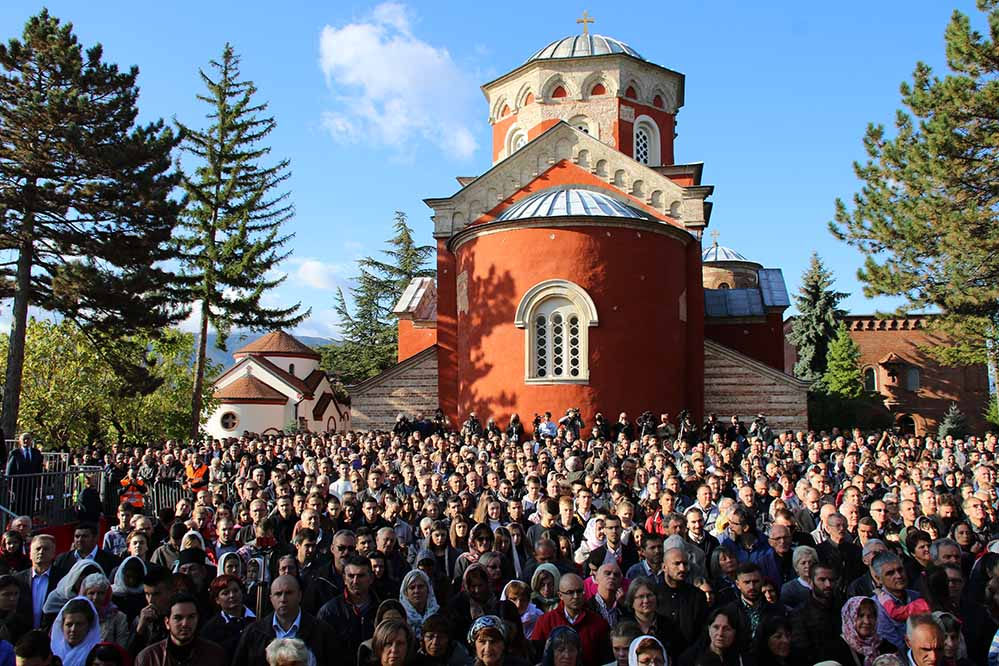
x,y
583,307
655,139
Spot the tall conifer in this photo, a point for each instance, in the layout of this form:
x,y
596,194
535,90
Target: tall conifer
x,y
86,218
843,377
816,325
233,221
927,215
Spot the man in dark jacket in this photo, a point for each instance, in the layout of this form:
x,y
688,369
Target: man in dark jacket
x,y
287,621
684,605
85,547
815,627
352,614
182,643
751,608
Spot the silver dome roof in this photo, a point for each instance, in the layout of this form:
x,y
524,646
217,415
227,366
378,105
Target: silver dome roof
x,y
721,253
578,46
570,202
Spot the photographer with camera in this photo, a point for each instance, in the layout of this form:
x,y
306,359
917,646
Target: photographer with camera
x,y
472,426
572,422
544,426
646,424
760,428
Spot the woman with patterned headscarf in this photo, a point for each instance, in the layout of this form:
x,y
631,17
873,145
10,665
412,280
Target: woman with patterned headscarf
x,y
487,638
859,642
417,597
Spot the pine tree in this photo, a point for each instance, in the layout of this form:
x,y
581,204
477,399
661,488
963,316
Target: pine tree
x,y
927,218
954,423
369,343
843,376
815,326
233,221
86,215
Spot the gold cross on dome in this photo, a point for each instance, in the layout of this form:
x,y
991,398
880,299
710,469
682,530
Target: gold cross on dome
x,y
585,20
714,236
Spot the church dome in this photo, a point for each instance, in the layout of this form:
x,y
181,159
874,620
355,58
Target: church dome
x,y
570,202
579,46
721,253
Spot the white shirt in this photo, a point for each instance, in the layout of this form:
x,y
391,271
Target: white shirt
x,y
292,631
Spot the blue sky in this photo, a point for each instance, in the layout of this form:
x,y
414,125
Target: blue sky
x,y
378,105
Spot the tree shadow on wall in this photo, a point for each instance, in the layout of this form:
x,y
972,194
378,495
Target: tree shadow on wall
x,y
490,304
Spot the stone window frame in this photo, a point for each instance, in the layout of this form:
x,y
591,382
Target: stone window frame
x,y
651,129
567,299
222,420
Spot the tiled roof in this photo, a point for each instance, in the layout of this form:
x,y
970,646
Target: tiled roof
x,y
249,389
324,400
278,342
314,378
285,376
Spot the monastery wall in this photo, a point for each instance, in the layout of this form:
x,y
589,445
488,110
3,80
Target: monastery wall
x,y
408,388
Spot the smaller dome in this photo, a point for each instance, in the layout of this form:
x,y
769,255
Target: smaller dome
x,y
720,253
570,202
578,46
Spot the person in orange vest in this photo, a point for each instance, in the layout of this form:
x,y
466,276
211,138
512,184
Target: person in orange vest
x,y
197,473
133,490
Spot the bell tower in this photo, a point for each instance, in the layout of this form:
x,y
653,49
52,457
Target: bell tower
x,y
599,85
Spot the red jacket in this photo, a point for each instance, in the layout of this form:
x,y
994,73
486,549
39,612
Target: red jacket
x,y
592,629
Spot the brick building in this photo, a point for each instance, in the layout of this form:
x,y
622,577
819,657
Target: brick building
x,y
917,390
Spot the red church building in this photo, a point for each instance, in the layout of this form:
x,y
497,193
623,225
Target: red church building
x,y
572,272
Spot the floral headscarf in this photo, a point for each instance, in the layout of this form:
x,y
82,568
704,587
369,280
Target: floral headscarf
x,y
590,534
868,647
486,622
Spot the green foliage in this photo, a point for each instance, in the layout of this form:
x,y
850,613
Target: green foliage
x,y
369,342
815,325
232,224
86,214
927,216
992,411
843,376
71,397
954,423
829,410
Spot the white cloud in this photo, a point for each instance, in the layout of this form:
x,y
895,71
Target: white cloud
x,y
317,274
392,88
321,324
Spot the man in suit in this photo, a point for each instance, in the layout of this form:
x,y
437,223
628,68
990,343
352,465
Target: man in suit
x,y
39,579
85,548
287,621
23,460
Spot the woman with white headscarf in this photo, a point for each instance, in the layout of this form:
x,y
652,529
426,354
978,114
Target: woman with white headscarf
x,y
69,587
126,590
75,632
416,595
647,651
114,624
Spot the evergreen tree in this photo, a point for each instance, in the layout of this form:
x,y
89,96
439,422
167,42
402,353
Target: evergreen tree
x,y
843,377
992,410
233,221
926,217
815,325
954,423
86,218
369,341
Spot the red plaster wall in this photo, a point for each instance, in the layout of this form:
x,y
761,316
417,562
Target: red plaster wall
x,y
413,339
541,128
447,333
695,333
624,130
638,354
763,341
500,130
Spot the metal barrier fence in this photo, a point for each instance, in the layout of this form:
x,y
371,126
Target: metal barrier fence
x,y
163,494
50,498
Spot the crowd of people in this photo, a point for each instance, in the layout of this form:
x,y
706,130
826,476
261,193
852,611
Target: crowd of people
x,y
645,543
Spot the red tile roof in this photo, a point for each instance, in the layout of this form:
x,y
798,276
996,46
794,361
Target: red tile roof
x,y
249,389
285,376
278,343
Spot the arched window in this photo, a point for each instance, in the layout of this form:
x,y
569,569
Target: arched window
x,y
582,123
723,285
907,425
598,89
646,146
870,380
291,369
516,139
556,316
912,379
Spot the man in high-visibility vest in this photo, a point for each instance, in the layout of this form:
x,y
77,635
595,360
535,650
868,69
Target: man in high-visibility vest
x,y
133,490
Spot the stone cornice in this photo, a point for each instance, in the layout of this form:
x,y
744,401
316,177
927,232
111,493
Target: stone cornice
x,y
671,202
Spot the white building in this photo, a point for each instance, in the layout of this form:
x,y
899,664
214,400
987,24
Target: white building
x,y
276,381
